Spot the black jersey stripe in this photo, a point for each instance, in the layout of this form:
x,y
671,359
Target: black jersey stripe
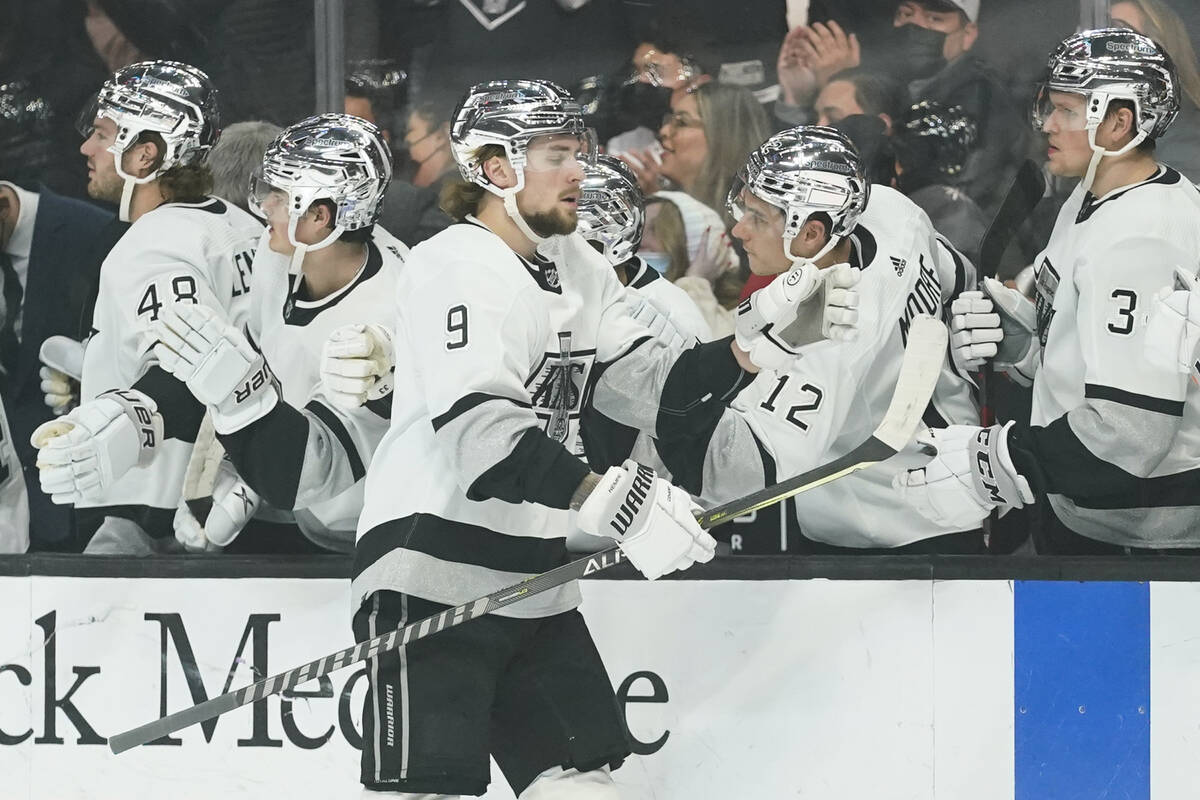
x,y
1145,402
331,421
158,523
298,315
465,403
459,542
1167,491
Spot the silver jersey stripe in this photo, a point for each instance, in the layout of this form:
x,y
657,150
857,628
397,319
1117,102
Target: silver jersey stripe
x,y
452,583
372,633
405,725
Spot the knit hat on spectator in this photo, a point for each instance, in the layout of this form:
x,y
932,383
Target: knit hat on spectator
x,y
697,218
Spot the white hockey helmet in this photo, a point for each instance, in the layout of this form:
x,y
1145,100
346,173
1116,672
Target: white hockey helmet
x,y
175,100
511,113
804,171
612,210
1106,65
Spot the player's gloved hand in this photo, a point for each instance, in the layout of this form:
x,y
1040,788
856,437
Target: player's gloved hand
x,y
801,306
223,371
233,504
971,474
1018,352
1173,330
358,365
88,449
975,330
653,522
62,359
658,323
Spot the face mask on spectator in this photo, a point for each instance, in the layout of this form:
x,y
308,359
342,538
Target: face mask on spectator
x,y
918,51
659,262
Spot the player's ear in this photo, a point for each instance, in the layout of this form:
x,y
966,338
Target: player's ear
x,y
322,215
500,172
142,158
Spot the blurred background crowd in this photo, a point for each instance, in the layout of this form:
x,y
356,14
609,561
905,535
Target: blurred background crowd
x,y
934,93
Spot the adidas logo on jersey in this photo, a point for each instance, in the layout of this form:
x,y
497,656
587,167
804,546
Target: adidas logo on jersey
x,y
899,264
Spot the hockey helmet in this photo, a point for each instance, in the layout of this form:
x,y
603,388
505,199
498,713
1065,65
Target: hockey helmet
x,y
804,171
1106,65
933,140
511,114
612,208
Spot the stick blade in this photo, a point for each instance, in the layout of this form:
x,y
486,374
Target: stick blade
x,y
923,357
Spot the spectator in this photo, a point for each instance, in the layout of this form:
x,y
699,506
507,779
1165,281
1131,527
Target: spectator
x,y
685,240
932,143
858,91
376,91
870,138
706,138
427,161
236,155
932,43
50,249
1180,145
411,212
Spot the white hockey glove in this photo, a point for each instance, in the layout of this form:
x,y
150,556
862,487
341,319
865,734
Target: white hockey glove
x,y
62,358
1173,330
1018,352
653,522
357,365
216,362
975,330
659,324
233,504
802,306
83,453
971,474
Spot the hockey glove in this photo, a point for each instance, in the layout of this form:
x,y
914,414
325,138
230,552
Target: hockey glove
x,y
971,474
1173,330
357,365
62,358
233,504
87,450
221,369
1018,352
802,306
975,330
653,522
659,324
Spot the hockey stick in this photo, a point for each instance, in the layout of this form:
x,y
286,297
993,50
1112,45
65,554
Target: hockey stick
x,y
923,358
1023,196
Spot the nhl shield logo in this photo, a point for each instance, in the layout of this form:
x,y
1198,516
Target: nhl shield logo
x,y
551,273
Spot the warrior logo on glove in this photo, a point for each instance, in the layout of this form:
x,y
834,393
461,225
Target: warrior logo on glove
x,y
634,499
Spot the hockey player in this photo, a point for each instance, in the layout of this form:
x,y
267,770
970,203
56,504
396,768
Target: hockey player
x,y
321,189
508,322
612,215
152,125
1112,441
803,198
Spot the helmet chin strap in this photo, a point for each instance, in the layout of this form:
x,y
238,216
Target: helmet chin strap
x,y
131,182
297,261
798,261
510,205
1099,153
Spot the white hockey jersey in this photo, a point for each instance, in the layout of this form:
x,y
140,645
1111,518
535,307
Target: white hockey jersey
x,y
14,503
468,490
1114,441
179,252
290,330
835,395
672,302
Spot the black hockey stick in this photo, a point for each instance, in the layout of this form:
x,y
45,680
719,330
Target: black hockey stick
x,y
1023,196
923,356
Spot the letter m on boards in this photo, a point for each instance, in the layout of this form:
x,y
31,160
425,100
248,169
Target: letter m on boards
x,y
173,636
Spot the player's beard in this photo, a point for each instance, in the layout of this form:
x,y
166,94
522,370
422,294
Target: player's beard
x,y
106,186
552,223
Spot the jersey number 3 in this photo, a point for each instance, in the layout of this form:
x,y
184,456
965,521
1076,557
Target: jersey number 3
x,y
1126,302
183,287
